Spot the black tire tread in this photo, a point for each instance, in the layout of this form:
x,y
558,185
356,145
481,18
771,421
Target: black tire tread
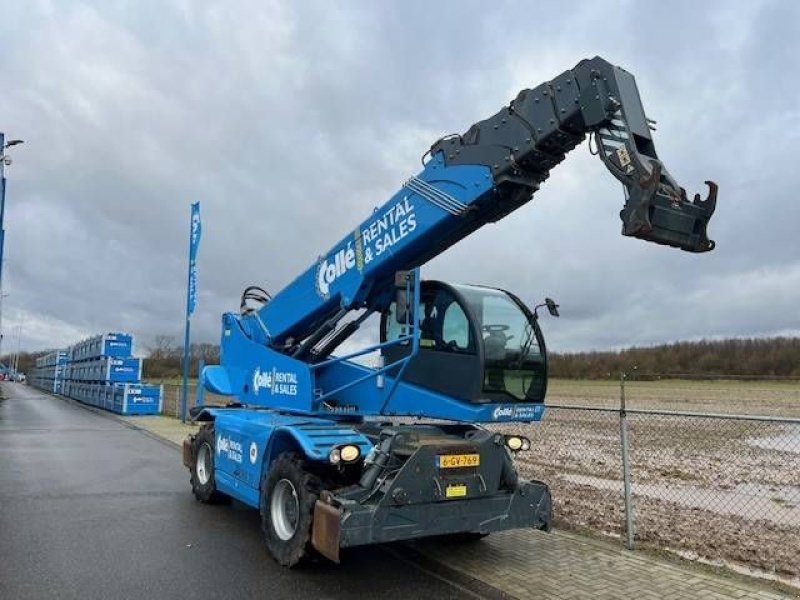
x,y
298,549
207,493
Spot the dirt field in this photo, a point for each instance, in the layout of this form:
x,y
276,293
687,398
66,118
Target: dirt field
x,y
772,398
722,490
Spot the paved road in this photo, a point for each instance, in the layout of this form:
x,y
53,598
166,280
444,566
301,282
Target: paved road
x,y
90,508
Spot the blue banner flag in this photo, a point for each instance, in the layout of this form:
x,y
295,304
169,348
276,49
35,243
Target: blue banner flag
x,y
195,230
194,243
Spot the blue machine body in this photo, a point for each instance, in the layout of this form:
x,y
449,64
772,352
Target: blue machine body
x,y
408,230
285,399
291,393
247,441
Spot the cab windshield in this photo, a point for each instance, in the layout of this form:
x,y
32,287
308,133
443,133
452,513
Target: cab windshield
x,y
514,363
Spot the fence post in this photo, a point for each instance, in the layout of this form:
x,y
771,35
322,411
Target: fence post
x,y
176,389
626,466
200,390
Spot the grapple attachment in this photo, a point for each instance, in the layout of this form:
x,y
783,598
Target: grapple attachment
x,y
658,211
656,208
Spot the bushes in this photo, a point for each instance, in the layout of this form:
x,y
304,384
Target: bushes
x,y
753,357
164,359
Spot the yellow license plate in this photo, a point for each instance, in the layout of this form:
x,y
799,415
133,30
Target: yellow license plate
x,y
456,491
457,461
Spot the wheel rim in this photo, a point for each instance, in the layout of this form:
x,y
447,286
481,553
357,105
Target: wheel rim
x,y
203,464
284,509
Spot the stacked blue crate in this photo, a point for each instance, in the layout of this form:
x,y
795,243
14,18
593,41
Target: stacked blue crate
x,y
106,369
103,373
50,370
118,345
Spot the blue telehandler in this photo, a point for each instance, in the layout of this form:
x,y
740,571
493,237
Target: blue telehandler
x,y
321,444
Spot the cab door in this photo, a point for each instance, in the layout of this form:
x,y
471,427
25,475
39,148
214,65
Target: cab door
x,y
449,359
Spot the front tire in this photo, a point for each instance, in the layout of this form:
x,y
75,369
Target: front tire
x,y
204,486
288,494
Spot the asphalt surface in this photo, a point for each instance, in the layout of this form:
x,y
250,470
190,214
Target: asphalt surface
x,y
91,508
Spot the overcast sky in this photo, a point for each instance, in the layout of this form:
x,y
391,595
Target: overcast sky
x,y
290,121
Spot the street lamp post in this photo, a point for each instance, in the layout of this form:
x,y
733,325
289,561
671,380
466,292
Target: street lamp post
x,y
5,160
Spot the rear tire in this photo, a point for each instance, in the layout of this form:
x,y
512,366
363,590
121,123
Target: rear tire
x,y
288,495
204,485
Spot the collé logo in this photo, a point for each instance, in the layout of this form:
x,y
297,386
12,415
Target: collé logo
x,y
328,272
277,382
261,380
524,412
502,412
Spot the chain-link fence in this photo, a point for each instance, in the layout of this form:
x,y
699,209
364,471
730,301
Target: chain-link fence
x,y
719,487
172,398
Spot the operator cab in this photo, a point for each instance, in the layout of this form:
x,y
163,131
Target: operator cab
x,y
477,343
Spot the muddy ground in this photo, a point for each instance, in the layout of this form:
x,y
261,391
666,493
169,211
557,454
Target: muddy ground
x,y
724,490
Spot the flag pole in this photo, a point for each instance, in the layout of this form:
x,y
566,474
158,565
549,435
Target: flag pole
x,y
185,388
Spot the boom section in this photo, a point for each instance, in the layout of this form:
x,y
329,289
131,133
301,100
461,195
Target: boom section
x,y
481,176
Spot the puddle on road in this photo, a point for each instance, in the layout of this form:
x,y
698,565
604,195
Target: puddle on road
x,y
779,504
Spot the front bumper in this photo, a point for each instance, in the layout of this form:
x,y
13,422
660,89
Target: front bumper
x,y
341,524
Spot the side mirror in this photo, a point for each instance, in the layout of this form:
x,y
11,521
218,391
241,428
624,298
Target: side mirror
x,y
402,302
552,307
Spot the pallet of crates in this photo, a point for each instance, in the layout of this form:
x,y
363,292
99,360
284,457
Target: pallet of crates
x,y
80,390
77,391
48,373
136,399
106,344
110,377
59,364
36,373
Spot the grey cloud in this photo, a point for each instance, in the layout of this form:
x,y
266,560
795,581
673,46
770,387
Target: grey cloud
x,y
290,121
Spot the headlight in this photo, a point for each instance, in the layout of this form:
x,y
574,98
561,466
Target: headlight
x,y
347,453
515,443
350,453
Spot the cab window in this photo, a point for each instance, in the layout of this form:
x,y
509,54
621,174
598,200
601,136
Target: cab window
x,y
455,327
443,324
514,365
